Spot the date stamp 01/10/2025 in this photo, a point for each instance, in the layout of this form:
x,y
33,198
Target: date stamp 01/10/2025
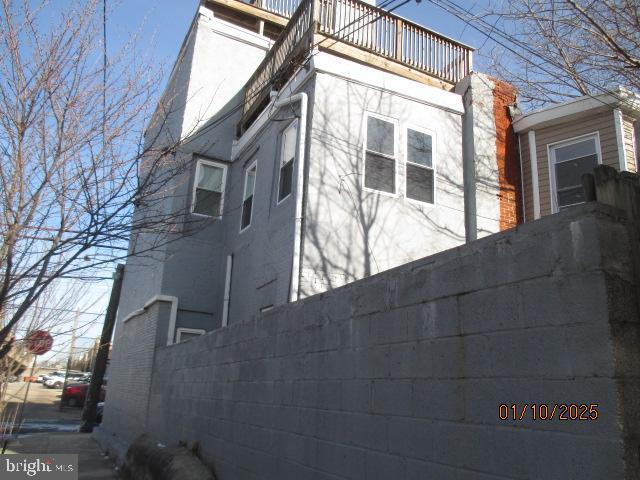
x,y
549,411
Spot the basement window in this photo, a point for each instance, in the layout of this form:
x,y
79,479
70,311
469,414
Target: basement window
x,y
380,155
570,160
208,188
420,171
183,334
247,198
287,157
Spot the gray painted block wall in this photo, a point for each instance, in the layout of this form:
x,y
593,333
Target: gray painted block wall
x,y
400,375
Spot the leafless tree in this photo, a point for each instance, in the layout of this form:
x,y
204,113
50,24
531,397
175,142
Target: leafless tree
x,y
52,312
75,161
553,50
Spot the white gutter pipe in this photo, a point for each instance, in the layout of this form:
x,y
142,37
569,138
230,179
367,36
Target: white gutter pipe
x,y
301,97
227,291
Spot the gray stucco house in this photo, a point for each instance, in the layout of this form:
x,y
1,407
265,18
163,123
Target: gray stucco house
x,y
325,141
318,151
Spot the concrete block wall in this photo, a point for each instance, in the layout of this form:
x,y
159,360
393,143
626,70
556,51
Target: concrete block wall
x,y
130,372
401,375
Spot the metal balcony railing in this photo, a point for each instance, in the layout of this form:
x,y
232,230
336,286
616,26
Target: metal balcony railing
x,y
359,24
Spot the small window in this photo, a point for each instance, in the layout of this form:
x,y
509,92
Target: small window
x,y
287,157
570,161
379,160
208,191
183,334
247,199
420,175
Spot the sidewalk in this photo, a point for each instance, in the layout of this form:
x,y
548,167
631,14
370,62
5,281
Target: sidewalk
x,y
92,464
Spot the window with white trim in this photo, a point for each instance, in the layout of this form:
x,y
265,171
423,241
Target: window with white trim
x,y
208,188
420,172
570,160
287,158
183,334
247,198
380,155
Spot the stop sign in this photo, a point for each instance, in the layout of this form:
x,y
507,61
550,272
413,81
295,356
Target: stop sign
x,y
38,342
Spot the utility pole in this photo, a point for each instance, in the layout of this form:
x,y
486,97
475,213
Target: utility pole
x,y
100,366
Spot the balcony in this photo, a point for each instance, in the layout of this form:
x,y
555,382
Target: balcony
x,y
358,30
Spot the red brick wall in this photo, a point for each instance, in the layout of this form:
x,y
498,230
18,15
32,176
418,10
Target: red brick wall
x,y
508,157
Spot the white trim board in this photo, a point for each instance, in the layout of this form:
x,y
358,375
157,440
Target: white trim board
x,y
172,316
622,152
533,158
400,86
615,99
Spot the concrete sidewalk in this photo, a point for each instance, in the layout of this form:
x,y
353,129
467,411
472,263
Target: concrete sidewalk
x,y
92,464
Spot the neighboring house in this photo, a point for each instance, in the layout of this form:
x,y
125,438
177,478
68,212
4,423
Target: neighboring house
x,y
560,143
322,149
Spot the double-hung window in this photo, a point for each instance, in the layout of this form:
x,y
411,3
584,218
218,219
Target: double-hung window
x,y
247,198
208,188
569,161
420,172
380,155
287,158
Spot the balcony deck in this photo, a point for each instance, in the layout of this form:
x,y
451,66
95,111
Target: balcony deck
x,y
350,28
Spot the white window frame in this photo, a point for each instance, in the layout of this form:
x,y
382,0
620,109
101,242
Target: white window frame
x,y
251,166
551,147
396,132
193,331
295,159
199,162
434,141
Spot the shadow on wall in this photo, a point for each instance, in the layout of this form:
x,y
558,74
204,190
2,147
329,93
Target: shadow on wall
x,y
352,232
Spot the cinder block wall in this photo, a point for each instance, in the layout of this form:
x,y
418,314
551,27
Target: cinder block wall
x,y
400,376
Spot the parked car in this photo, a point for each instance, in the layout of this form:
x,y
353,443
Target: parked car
x,y
48,376
57,381
74,394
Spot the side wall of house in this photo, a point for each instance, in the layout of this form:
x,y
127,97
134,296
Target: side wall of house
x,y
402,375
491,160
351,232
200,104
263,252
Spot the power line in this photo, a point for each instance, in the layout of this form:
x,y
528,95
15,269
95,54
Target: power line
x,y
272,79
468,18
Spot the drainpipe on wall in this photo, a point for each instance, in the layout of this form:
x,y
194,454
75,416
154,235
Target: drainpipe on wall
x,y
227,291
301,97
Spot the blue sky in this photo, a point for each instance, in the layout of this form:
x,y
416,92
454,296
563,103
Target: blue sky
x,y
162,24
160,27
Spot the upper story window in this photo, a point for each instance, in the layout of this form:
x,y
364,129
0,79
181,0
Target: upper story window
x,y
287,157
208,188
570,160
247,197
420,169
380,155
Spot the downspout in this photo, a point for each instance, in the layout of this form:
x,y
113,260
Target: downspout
x,y
227,291
301,97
